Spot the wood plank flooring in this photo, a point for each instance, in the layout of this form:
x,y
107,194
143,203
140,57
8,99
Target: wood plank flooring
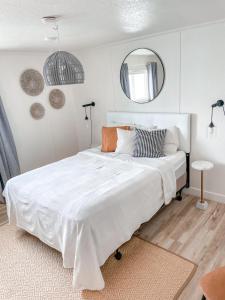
x,y
192,233
189,232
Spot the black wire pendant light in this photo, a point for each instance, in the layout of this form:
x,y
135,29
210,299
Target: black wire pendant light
x,y
61,67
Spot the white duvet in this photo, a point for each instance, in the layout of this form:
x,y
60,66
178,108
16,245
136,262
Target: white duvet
x,y
88,205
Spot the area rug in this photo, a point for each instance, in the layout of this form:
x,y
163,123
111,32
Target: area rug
x,y
30,269
3,214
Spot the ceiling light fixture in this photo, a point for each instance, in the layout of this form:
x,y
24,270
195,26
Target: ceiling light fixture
x,y
51,38
61,67
50,19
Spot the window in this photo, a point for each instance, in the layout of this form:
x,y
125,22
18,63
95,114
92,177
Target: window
x,y
138,80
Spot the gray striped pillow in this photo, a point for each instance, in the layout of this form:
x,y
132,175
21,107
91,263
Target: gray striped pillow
x,y
149,143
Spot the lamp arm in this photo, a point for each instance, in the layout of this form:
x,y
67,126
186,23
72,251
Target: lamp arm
x,y
89,104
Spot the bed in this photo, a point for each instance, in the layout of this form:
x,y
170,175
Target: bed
x,y
86,207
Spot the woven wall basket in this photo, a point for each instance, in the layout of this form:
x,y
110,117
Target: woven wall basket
x,y
32,82
57,98
37,111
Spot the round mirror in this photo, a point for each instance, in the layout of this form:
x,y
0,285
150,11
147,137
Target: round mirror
x,y
142,75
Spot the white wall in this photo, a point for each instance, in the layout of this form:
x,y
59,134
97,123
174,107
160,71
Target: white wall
x,y
194,61
42,141
203,82
102,83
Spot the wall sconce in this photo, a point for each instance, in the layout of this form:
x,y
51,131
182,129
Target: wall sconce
x,y
211,128
85,106
85,109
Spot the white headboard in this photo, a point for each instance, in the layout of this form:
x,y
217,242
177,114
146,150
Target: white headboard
x,y
161,120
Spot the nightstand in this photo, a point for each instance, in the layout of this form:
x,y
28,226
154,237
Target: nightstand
x,y
202,165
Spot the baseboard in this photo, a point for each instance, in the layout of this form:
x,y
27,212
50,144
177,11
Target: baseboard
x,y
207,195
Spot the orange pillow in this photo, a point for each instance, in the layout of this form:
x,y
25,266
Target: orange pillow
x,y
109,138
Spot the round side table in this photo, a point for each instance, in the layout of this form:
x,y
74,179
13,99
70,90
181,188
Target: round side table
x,y
202,165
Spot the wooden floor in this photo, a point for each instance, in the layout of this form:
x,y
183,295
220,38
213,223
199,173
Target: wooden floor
x,y
192,233
187,231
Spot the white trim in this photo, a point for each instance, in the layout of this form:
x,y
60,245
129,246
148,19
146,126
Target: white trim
x,y
207,194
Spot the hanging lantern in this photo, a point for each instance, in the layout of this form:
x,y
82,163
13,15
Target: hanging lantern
x,y
63,68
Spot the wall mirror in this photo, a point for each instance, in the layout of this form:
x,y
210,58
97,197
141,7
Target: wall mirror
x,y
142,75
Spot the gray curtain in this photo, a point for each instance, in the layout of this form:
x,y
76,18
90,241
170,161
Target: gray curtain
x,y
124,79
9,164
152,80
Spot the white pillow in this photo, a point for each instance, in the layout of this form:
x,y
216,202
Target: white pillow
x,y
171,143
125,141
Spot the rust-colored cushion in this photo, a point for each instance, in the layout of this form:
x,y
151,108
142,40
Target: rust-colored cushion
x,y
109,138
213,284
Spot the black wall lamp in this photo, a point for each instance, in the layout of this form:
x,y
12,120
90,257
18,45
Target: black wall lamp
x,y
85,106
218,103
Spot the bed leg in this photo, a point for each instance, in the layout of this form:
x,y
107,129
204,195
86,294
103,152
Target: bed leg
x,y
179,196
118,255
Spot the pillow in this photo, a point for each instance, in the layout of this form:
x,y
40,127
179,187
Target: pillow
x,y
149,143
171,143
125,142
109,138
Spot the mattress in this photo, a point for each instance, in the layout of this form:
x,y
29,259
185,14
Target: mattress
x,y
177,160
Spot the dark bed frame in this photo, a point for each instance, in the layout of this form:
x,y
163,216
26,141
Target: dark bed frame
x,y
118,255
179,193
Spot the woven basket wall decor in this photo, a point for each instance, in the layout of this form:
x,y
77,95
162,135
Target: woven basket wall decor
x,y
32,82
37,111
57,98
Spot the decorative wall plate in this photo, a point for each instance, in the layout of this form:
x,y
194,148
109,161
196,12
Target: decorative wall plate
x,y
57,98
37,111
32,82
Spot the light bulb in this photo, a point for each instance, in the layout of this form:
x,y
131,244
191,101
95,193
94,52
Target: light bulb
x,y
212,131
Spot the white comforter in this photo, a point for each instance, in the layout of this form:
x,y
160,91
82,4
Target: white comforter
x,y
87,205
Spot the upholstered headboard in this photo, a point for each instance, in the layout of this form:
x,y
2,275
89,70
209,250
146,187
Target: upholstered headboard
x,y
161,120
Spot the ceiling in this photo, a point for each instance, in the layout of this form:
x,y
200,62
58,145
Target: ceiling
x,y
88,23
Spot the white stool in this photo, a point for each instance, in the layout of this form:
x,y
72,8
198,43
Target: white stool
x,y
202,165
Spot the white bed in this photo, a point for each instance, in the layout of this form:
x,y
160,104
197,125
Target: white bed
x,y
86,206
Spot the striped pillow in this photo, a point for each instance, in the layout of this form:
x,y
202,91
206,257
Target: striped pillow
x,y
149,143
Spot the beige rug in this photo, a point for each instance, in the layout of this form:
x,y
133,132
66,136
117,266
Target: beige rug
x,y
3,215
31,270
